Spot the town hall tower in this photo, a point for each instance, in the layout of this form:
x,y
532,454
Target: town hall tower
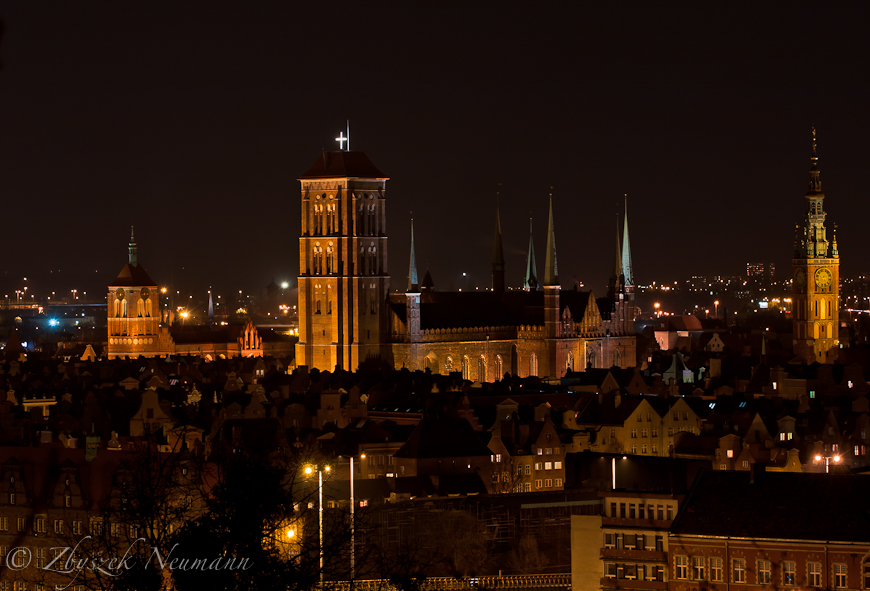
x,y
816,275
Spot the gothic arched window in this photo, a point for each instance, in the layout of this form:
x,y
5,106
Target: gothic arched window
x,y
498,368
330,261
318,259
481,369
448,364
465,370
533,365
317,307
590,357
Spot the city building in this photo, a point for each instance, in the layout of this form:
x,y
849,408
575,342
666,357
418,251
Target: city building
x,y
347,314
764,530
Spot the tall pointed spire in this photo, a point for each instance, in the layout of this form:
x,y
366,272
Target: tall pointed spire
x,y
626,249
551,269
531,280
497,256
617,267
413,284
210,308
815,181
132,249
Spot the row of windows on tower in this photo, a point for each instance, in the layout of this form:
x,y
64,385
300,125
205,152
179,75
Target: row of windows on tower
x,y
326,220
819,312
143,308
318,309
367,263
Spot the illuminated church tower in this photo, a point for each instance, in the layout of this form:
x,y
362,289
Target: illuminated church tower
x,y
134,312
343,279
816,273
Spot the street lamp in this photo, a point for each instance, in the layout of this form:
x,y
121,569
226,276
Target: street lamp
x,y
352,523
613,470
716,303
309,470
828,459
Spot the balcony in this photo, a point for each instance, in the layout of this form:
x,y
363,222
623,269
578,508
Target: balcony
x,y
632,554
607,583
636,523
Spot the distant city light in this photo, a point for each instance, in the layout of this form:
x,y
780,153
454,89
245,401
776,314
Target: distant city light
x,y
285,285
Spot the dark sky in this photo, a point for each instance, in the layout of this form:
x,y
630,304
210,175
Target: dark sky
x,y
193,122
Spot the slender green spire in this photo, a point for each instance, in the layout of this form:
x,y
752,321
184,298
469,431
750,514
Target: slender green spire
x,y
531,280
132,250
626,249
551,269
413,284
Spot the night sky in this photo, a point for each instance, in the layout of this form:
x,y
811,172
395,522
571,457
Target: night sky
x,y
193,122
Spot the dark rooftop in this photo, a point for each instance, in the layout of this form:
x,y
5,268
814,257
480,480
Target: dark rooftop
x,y
133,276
343,164
792,506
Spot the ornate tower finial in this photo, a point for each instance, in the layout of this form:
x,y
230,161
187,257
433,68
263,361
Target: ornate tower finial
x,y
551,268
132,249
815,182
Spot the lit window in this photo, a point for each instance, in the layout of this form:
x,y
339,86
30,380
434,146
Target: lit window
x,y
557,465
788,572
548,465
698,568
738,568
730,453
537,484
840,576
682,567
763,572
814,574
716,569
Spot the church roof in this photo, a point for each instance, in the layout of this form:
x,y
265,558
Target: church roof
x,y
343,164
133,276
474,309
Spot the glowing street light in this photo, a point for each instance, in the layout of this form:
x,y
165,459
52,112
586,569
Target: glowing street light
x,y
716,303
309,470
828,459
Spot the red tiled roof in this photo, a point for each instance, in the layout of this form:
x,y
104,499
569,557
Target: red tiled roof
x,y
343,164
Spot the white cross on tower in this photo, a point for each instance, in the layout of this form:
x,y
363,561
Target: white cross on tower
x,y
341,139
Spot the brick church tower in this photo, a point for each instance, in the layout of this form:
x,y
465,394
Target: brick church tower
x,y
343,279
134,312
816,274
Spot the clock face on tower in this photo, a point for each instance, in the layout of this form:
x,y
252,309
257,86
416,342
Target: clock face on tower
x,y
800,279
823,278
